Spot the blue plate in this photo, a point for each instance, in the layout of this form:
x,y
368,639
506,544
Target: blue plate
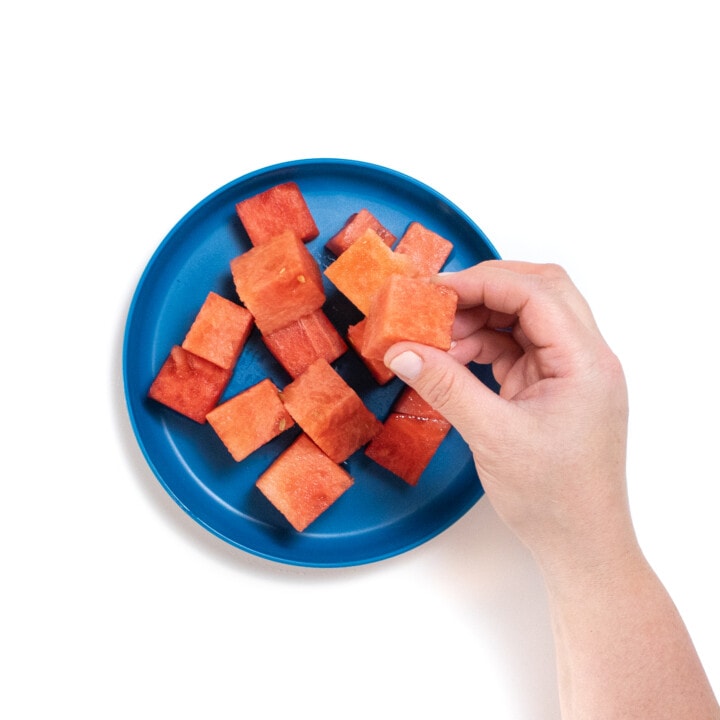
x,y
380,516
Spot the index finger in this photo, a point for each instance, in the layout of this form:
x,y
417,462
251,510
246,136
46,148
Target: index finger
x,y
542,297
469,283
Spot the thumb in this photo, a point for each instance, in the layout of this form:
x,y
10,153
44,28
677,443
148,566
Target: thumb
x,y
450,388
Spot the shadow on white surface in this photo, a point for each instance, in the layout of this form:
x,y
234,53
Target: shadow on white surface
x,y
490,579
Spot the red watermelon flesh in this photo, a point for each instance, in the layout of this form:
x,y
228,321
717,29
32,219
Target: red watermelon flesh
x,y
279,282
189,384
362,269
354,227
410,403
277,210
377,368
406,444
428,250
303,482
330,412
411,309
250,419
299,344
220,330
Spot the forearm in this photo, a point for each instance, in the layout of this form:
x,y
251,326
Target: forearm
x,y
622,648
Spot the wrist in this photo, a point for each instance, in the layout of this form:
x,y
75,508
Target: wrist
x,y
592,564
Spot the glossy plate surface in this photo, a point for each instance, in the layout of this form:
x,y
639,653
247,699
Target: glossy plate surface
x,y
380,516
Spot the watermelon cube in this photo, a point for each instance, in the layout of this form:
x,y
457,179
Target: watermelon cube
x,y
410,403
303,482
279,209
377,368
279,282
354,227
362,269
406,444
329,411
220,330
250,419
299,344
189,384
428,250
412,309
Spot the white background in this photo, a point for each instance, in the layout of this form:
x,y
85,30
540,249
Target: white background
x,y
579,133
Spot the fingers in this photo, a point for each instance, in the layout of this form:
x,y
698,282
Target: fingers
x,y
467,320
528,321
540,299
466,281
488,347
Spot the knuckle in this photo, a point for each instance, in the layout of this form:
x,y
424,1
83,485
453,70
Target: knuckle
x,y
555,270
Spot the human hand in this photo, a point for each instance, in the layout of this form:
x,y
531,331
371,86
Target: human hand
x,y
550,448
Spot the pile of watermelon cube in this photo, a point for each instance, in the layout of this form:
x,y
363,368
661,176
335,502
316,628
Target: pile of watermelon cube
x,y
280,288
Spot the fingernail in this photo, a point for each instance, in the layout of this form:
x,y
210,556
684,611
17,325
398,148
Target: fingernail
x,y
407,365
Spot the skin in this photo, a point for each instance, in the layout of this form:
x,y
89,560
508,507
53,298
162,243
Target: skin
x,y
551,451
